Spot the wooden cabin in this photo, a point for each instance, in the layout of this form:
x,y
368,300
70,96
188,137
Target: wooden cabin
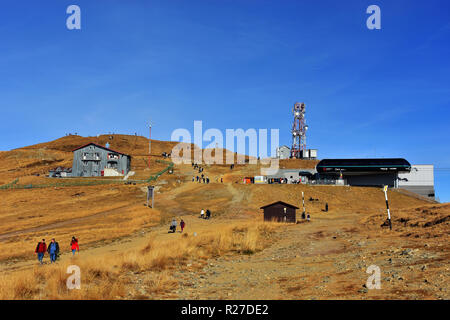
x,y
280,211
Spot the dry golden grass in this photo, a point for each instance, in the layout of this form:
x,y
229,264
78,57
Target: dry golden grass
x,y
111,276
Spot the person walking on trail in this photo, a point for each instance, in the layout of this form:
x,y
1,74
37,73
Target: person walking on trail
x,y
202,214
74,245
308,217
173,226
53,250
326,207
208,213
41,248
207,180
221,180
182,225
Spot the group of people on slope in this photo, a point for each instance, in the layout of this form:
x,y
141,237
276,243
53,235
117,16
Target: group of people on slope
x,y
201,179
53,249
173,226
205,215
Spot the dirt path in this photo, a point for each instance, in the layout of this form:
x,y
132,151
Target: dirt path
x,y
318,260
249,276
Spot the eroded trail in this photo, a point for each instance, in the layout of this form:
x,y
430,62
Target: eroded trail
x,y
324,259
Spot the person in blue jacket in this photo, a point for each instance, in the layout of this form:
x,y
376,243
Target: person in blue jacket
x,y
53,250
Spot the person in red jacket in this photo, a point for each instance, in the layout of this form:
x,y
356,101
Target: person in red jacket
x,y
41,248
74,245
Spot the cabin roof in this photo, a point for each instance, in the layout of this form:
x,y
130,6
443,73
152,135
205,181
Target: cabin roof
x,y
279,202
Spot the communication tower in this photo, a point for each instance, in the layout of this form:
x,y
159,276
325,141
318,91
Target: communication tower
x,y
299,129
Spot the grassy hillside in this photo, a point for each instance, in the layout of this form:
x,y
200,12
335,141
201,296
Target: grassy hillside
x,y
113,224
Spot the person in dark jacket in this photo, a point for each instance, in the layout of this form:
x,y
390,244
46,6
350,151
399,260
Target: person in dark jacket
x,y
208,214
182,225
53,250
41,248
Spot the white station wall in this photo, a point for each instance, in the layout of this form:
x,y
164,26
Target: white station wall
x,y
420,175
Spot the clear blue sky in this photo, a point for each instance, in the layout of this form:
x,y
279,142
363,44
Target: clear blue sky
x,y
233,64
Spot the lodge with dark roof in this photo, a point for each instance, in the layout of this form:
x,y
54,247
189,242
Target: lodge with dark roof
x,y
364,172
93,160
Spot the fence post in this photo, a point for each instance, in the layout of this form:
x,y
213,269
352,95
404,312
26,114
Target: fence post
x,y
387,206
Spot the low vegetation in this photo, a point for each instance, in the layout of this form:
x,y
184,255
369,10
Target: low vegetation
x,y
113,276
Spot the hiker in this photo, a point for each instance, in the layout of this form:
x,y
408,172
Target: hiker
x,y
203,180
74,245
173,226
308,217
202,213
208,213
53,250
221,180
207,180
182,224
326,207
41,248
193,179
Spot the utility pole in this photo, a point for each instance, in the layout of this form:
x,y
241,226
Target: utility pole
x,y
149,144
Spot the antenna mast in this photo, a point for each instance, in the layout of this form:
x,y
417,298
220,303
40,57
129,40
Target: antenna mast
x,y
299,128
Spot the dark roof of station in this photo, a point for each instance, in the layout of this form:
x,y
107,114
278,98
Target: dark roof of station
x,y
102,147
375,163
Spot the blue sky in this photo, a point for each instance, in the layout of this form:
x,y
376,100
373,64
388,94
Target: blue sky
x,y
233,64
